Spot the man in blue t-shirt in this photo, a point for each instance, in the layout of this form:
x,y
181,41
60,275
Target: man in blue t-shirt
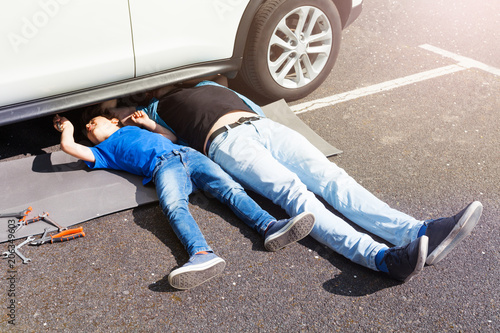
x,y
177,171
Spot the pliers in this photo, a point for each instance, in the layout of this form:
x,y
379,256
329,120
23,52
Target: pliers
x,y
63,236
24,222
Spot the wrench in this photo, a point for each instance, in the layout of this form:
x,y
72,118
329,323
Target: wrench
x,y
21,215
45,217
29,239
25,260
6,254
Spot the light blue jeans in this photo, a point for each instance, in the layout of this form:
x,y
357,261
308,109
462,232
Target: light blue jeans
x,y
179,173
283,166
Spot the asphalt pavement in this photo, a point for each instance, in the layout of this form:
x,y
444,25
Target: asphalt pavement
x,y
427,148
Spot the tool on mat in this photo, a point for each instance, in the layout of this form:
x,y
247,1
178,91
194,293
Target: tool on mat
x,y
63,236
45,217
21,215
21,223
42,217
7,254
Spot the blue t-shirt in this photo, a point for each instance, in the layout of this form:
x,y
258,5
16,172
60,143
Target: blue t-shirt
x,y
131,149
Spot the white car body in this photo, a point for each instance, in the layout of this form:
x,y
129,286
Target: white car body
x,y
62,54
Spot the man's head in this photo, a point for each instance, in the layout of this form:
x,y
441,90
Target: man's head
x,y
99,124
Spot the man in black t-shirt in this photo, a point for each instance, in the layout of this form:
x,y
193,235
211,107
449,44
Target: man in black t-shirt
x,y
283,166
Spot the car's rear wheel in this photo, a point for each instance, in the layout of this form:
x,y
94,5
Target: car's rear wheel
x,y
292,47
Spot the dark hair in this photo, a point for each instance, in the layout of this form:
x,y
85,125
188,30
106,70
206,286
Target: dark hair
x,y
94,111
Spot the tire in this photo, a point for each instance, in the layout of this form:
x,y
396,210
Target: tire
x,y
290,66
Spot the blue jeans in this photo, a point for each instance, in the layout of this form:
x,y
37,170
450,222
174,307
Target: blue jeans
x,y
180,173
283,166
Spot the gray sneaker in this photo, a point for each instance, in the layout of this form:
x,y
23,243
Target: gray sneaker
x,y
199,269
285,232
445,233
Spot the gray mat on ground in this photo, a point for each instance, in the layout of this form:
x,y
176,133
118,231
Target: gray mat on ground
x,y
281,113
66,189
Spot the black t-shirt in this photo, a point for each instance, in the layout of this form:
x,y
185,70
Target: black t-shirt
x,y
192,112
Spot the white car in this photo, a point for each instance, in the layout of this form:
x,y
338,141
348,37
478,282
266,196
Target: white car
x,y
63,54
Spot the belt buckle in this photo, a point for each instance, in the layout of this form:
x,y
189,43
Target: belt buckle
x,y
243,120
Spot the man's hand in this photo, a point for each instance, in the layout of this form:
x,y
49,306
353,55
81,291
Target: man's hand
x,y
109,104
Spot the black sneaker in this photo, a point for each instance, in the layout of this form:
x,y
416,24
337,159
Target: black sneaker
x,y
285,232
445,233
199,269
407,261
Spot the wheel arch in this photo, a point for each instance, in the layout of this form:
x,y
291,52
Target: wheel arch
x,y
343,6
244,28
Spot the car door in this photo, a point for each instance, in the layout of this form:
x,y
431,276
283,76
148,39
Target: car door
x,y
172,33
52,47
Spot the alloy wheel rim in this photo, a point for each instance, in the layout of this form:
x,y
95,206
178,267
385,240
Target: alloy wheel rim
x,y
299,47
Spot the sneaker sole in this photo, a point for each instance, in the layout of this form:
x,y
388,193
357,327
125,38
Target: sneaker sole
x,y
192,276
295,230
423,247
461,230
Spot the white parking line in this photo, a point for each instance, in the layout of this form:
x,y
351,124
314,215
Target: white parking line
x,y
463,63
384,86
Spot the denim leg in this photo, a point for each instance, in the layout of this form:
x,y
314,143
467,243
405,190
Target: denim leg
x,y
173,186
334,185
244,154
209,177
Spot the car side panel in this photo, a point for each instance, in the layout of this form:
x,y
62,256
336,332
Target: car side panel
x,y
171,33
50,47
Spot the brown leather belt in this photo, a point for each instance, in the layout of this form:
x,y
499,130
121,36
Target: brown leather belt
x,y
223,129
